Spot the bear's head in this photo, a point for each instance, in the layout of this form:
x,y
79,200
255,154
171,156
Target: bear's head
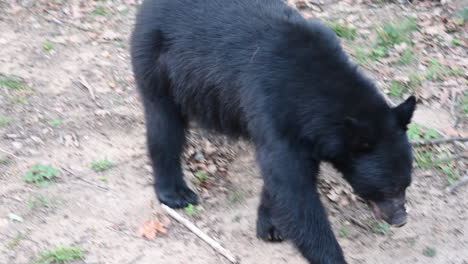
x,y
378,161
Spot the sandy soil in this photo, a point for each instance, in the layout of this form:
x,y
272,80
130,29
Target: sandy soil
x,y
81,106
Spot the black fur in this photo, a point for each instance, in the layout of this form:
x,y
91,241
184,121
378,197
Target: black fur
x,y
257,69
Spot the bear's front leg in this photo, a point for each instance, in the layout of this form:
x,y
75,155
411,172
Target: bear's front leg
x,y
266,228
290,178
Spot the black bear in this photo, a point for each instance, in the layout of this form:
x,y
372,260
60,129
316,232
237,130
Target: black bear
x,y
258,69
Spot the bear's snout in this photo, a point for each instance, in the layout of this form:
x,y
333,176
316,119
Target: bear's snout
x,y
391,210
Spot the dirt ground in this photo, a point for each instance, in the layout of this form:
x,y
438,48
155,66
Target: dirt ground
x,y
75,103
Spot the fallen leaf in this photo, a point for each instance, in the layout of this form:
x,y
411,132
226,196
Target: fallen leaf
x,y
151,227
14,217
112,84
450,131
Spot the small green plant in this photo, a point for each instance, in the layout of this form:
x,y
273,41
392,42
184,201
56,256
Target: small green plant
x,y
378,51
393,33
450,172
56,122
456,71
4,160
417,132
41,174
344,232
13,83
235,197
406,57
38,201
4,121
101,165
60,255
463,102
423,158
12,243
343,30
200,177
192,210
436,71
100,11
456,42
47,46
236,219
361,56
381,227
18,99
414,80
102,178
397,88
462,16
429,252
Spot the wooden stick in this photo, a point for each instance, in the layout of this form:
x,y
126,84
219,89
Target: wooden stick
x,y
459,183
9,153
439,141
88,87
84,180
215,245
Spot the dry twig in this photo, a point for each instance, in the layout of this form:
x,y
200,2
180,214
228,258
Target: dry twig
x,y
88,87
215,245
439,141
462,181
84,180
9,153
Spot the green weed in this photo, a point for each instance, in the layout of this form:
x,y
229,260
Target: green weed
x,y
343,30
18,99
41,174
236,197
200,177
38,201
47,46
436,71
462,16
344,232
424,159
456,70
4,121
102,178
101,165
361,56
463,102
429,252
12,243
456,42
381,227
56,122
417,132
192,210
100,11
4,160
414,80
450,172
432,159
394,33
13,83
378,51
397,88
406,57
60,255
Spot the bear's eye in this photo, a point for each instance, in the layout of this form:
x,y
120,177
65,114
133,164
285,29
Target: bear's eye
x,y
363,147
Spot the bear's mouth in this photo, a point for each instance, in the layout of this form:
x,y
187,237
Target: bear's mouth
x,y
391,211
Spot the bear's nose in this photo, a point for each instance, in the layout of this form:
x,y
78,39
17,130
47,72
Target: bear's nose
x,y
399,221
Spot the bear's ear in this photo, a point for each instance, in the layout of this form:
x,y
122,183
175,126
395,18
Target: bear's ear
x,y
404,112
